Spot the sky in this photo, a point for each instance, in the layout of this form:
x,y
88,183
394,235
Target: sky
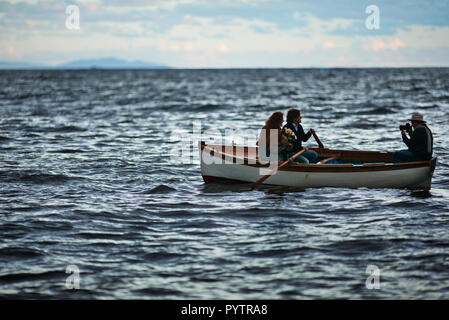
x,y
229,33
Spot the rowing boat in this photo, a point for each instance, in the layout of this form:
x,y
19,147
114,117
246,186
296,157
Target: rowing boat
x,y
335,168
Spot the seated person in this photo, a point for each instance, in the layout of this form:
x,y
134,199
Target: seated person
x,y
274,122
420,143
293,123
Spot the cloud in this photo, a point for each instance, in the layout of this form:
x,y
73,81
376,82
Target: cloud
x,y
8,50
424,36
223,48
314,24
23,1
378,45
328,44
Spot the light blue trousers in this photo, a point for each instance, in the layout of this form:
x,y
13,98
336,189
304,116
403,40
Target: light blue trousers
x,y
308,156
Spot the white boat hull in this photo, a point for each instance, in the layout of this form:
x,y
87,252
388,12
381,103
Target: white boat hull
x,y
216,166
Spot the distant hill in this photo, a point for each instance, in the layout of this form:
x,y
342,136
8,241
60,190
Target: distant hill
x,y
102,63
110,63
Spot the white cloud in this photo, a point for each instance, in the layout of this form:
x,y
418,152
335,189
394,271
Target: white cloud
x,y
223,48
123,29
425,36
316,25
24,1
88,2
139,5
329,44
378,44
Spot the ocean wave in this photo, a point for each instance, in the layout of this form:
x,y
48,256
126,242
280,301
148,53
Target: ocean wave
x,y
160,189
357,247
163,255
66,151
69,128
32,276
158,291
21,252
377,110
60,129
101,235
34,177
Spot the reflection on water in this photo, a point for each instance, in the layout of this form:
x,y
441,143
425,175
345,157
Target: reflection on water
x,y
421,194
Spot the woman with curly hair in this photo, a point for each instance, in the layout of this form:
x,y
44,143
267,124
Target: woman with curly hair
x,y
272,129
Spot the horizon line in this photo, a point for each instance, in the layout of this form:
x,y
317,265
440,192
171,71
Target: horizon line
x,y
93,68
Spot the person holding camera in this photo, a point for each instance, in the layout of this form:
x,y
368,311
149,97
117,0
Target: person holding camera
x,y
420,143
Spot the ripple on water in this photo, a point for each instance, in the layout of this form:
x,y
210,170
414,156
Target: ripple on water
x,y
32,276
20,252
160,189
33,176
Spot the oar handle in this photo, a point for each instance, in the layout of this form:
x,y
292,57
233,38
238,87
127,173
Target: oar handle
x,y
320,144
265,177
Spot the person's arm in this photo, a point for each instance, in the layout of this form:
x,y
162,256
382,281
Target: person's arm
x,y
405,138
306,136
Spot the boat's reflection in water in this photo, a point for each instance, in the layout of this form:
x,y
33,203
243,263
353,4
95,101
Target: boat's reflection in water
x,y
422,194
233,186
225,186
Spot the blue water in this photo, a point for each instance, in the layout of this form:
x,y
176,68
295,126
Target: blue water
x,y
86,179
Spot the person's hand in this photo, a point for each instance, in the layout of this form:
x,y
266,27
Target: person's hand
x,y
312,131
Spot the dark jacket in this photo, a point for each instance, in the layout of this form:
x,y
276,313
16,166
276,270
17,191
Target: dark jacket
x,y
420,142
300,135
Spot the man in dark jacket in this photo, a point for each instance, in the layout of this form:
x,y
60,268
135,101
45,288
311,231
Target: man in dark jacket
x,y
293,123
420,143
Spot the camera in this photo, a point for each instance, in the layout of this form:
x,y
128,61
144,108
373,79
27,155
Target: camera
x,y
407,127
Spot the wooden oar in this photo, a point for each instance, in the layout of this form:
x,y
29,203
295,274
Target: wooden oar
x,y
329,159
320,145
293,157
